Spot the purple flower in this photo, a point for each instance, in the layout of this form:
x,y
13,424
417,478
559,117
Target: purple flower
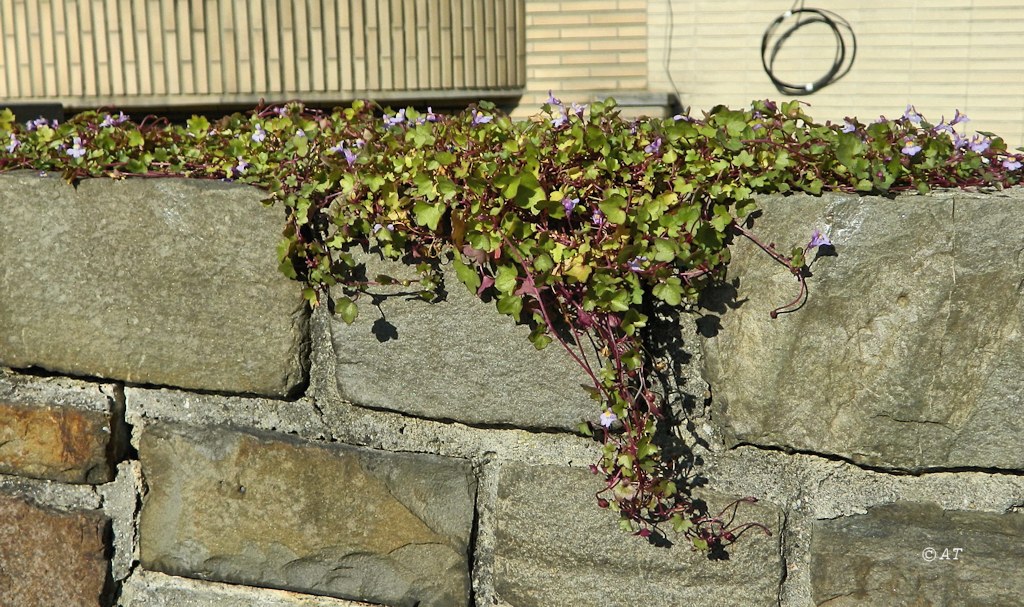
x,y
560,119
979,145
597,218
398,118
943,128
577,109
32,125
479,118
300,133
1010,164
552,100
76,151
958,118
260,134
350,156
910,148
13,145
114,120
818,240
849,127
569,204
653,147
633,265
608,418
241,166
911,114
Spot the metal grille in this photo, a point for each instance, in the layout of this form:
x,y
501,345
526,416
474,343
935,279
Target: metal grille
x,y
86,53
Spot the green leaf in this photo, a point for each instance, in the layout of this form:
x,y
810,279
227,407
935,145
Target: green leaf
x,y
428,214
670,291
346,309
505,279
543,263
467,275
511,305
613,208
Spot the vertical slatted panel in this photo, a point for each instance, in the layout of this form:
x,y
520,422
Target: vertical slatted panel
x,y
35,49
275,81
461,55
183,41
214,52
332,37
389,29
446,49
129,49
157,54
286,23
408,35
243,49
360,44
58,49
422,52
300,65
171,52
228,53
197,25
316,47
258,31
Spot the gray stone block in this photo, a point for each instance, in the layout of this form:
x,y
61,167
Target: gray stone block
x,y
456,359
162,281
918,554
152,589
336,521
909,351
554,547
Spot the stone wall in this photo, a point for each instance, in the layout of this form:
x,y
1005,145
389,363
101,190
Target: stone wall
x,y
177,429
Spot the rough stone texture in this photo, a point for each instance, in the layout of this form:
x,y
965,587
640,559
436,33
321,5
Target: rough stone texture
x,y
49,557
918,554
910,349
58,429
456,359
554,546
151,589
344,522
163,281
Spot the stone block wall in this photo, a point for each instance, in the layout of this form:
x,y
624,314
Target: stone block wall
x,y
177,429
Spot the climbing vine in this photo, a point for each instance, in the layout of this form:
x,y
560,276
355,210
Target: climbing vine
x,y
572,222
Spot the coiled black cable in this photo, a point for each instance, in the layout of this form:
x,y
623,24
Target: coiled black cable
x,y
841,63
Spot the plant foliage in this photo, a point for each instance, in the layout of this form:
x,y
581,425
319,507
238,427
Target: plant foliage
x,y
572,222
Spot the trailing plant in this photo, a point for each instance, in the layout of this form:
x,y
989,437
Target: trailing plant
x,y
572,223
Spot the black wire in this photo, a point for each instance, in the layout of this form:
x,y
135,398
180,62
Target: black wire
x,y
841,62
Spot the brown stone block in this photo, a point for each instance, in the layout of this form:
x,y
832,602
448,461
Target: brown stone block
x,y
49,557
55,443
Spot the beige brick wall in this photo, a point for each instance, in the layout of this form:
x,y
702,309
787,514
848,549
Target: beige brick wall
x,y
577,48
939,55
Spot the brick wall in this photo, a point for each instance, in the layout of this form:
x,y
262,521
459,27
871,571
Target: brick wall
x,y
256,454
582,50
